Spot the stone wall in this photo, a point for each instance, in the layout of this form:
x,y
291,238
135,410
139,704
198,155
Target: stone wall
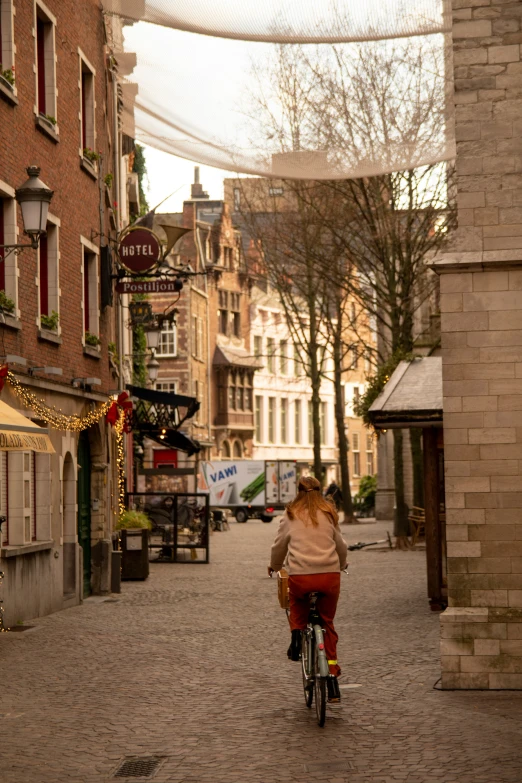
x,y
481,305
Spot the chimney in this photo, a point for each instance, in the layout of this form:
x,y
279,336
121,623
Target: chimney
x,y
196,190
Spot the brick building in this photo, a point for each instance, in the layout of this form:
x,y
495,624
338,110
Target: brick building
x,y
206,354
58,98
481,304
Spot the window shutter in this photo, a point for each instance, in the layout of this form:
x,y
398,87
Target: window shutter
x,y
106,277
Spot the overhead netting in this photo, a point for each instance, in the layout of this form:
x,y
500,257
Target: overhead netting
x,y
287,88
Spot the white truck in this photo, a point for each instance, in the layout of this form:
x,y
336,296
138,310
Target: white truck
x,y
250,488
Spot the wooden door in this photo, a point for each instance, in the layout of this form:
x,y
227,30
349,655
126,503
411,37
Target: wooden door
x,y
84,508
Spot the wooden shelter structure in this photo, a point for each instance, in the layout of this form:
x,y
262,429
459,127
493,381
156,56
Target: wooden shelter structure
x,y
413,398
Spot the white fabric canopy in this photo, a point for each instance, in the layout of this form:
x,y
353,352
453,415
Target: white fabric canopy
x,y
234,104
292,21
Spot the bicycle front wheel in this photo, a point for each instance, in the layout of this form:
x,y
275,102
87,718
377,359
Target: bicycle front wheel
x,y
320,694
308,683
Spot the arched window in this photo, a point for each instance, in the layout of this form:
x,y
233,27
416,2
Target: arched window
x,y
238,449
226,449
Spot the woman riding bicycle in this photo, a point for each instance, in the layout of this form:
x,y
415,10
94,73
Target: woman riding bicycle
x,y
310,538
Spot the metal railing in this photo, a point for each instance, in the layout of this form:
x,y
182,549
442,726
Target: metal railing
x,y
180,524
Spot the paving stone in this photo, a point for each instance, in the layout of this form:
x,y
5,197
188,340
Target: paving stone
x,y
191,666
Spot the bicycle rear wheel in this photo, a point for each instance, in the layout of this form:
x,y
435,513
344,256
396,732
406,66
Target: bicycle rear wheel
x,y
320,694
308,684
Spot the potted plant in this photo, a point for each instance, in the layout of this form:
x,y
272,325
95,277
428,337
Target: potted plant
x,y
7,305
113,355
50,321
90,155
134,529
49,119
7,75
92,339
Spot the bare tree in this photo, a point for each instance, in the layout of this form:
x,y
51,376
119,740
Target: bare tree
x,y
286,235
380,110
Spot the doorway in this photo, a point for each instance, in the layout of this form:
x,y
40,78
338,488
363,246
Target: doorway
x,y
84,508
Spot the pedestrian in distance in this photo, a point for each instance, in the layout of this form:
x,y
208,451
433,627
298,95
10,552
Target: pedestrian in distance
x,y
310,541
334,494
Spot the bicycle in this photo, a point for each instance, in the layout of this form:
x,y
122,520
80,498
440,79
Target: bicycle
x,y
317,680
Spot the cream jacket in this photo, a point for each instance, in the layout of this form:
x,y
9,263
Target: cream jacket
x,y
309,549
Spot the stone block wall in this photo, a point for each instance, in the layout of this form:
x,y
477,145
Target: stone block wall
x,y
481,325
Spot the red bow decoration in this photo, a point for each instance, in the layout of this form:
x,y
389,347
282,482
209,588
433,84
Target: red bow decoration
x,y
4,369
124,403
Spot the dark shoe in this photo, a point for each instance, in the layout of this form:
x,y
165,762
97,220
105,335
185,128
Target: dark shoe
x,y
334,693
294,651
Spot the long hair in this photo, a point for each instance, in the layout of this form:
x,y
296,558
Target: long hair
x,y
309,501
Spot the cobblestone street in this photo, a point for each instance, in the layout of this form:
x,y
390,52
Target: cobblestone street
x,y
190,666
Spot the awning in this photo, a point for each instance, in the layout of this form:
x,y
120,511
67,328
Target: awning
x,y
18,433
175,439
412,397
235,357
157,416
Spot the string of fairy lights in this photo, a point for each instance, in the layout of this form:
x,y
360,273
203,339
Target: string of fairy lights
x,y
59,420
120,460
56,418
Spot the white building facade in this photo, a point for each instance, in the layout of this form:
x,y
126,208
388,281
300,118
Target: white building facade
x,y
283,393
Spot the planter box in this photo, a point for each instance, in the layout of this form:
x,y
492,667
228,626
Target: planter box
x,y
134,554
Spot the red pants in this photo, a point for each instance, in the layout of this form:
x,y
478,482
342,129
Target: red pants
x,y
327,586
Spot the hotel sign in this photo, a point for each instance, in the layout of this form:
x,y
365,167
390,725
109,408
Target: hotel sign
x,y
139,250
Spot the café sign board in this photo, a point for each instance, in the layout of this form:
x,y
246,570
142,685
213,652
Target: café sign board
x,y
139,250
148,286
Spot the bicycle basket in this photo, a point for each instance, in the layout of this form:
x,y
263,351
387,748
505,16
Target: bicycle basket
x,y
282,589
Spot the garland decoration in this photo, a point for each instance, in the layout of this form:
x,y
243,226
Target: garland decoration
x,y
56,418
119,429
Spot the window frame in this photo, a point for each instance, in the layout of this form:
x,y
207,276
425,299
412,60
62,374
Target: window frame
x,y
46,17
258,346
90,288
7,42
87,111
298,422
283,357
271,419
166,381
168,329
258,418
10,237
283,419
28,497
53,271
270,355
356,454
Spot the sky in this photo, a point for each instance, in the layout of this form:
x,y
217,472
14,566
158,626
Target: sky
x,y
168,173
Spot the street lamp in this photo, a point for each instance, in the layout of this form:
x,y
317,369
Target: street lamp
x,y
153,367
140,312
34,198
152,336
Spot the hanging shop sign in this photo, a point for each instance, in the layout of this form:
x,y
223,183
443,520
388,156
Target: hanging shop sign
x,y
147,286
139,250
